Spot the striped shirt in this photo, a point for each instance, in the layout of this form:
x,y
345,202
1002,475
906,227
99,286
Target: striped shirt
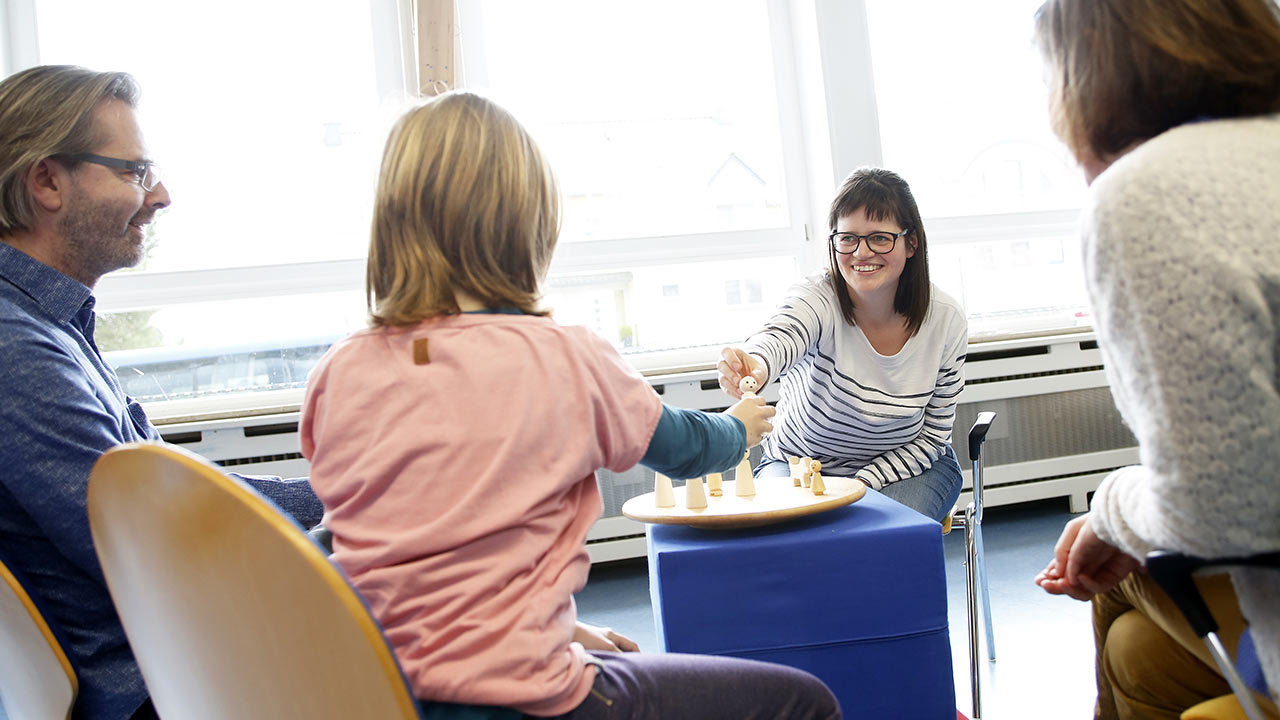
x,y
861,414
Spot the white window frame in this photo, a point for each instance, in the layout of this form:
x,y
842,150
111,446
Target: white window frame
x,y
396,71
604,255
17,36
841,31
828,120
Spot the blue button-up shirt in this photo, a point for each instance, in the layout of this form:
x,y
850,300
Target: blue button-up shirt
x,y
61,407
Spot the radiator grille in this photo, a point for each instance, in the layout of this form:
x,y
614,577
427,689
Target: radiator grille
x,y
1039,427
235,462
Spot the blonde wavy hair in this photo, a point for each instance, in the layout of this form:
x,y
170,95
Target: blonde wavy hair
x,y
465,202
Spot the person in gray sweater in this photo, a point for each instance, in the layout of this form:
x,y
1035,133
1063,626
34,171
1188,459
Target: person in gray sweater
x,y
1171,108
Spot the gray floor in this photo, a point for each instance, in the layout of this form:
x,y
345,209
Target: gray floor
x,y
1044,644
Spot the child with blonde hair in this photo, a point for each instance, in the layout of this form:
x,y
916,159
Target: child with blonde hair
x,y
455,442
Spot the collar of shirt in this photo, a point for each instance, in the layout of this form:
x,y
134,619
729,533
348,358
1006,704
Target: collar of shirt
x,y
60,296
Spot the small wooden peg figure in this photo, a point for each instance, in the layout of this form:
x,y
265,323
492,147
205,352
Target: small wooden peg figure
x,y
695,498
794,463
715,484
748,385
664,495
815,473
745,482
806,472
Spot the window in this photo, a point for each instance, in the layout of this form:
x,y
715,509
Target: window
x,y
677,157
733,292
738,292
650,138
966,123
269,133
697,144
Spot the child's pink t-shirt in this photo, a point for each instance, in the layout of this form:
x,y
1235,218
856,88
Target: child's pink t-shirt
x,y
460,491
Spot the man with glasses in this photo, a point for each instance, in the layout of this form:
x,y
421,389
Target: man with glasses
x,y
77,192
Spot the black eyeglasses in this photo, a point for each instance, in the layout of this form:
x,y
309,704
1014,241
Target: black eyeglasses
x,y
880,243
146,172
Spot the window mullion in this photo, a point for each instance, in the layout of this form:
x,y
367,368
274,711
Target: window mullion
x,y
435,34
395,62
19,44
845,44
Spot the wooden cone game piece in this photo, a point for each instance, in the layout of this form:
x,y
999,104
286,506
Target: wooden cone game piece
x,y
715,484
745,485
694,496
806,473
793,463
819,487
664,495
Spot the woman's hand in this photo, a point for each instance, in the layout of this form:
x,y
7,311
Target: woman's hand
x,y
593,637
735,364
1083,564
754,414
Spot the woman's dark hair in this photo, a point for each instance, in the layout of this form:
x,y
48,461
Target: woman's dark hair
x,y
883,195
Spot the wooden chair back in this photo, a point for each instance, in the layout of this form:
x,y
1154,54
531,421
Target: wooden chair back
x,y
36,677
231,610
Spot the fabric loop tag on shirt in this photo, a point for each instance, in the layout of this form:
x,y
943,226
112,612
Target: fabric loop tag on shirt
x,y
420,354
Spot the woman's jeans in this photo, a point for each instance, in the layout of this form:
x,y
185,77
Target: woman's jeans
x,y
932,493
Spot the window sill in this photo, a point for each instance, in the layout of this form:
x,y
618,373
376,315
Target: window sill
x,y
679,365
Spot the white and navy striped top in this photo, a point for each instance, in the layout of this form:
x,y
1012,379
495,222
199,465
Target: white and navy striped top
x,y
858,412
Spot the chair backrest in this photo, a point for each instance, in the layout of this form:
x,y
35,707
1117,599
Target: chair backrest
x,y
231,610
36,678
1174,573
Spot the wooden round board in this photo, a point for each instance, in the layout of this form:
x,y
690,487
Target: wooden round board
x,y
776,499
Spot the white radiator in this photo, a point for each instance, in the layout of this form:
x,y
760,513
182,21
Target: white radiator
x,y
1057,433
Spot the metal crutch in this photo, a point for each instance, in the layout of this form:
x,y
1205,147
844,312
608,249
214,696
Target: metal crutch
x,y
978,434
1174,573
975,561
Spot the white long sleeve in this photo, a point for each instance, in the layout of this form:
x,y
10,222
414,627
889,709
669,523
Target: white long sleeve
x,y
861,413
1182,253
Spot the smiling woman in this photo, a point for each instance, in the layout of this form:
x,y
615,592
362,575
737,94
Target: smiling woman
x,y
870,355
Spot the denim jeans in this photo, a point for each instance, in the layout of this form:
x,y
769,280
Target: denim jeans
x,y
932,493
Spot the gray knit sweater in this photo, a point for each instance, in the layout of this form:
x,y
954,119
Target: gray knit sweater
x,y
1182,256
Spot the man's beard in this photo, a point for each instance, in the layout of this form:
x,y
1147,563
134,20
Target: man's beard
x,y
97,240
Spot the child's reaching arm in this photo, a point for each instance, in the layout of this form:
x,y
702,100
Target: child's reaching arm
x,y
692,443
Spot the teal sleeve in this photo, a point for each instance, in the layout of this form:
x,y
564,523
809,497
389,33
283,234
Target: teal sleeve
x,y
691,443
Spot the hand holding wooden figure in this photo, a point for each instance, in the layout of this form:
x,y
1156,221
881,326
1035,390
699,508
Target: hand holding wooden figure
x,y
736,364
